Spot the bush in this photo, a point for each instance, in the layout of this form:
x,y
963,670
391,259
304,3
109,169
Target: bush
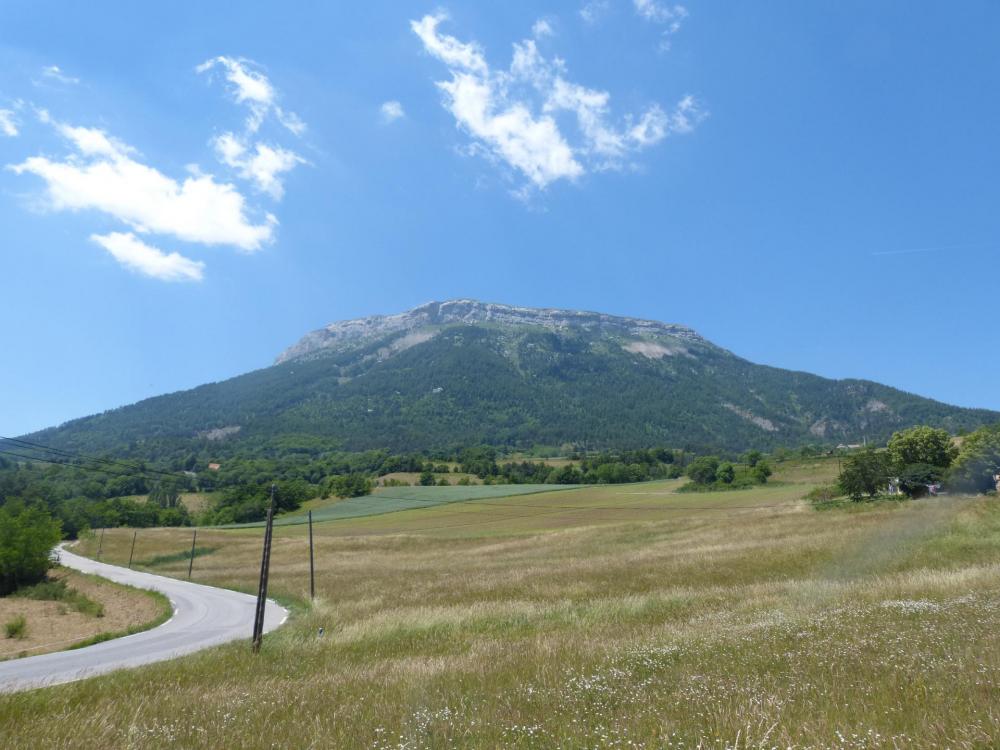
x,y
703,470
825,494
761,472
16,628
27,536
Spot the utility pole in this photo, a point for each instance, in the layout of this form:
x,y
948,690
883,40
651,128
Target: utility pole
x,y
265,565
132,551
312,570
100,544
191,561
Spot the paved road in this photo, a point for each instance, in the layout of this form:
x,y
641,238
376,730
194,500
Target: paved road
x,y
203,616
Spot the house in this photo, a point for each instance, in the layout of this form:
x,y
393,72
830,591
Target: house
x,y
214,467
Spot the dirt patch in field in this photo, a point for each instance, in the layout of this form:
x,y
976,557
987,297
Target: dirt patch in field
x,y
54,626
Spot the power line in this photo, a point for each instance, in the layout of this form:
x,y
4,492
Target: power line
x,y
82,467
85,457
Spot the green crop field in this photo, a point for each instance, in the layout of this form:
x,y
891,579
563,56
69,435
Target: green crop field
x,y
615,616
393,499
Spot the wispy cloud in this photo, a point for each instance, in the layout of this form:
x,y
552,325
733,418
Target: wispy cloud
x,y
391,111
541,28
144,259
8,123
263,164
252,88
669,16
512,114
595,10
55,73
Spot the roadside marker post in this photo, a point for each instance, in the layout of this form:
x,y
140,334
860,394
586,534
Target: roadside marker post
x,y
191,560
132,551
265,565
312,569
100,544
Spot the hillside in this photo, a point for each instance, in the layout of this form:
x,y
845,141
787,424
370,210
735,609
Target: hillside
x,y
463,372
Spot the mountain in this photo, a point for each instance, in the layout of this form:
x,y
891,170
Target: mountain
x,y
462,372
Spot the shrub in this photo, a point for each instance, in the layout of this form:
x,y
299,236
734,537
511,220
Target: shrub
x,y
27,536
16,628
823,494
58,591
703,470
725,473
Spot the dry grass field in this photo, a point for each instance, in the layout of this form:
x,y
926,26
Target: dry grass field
x,y
58,625
620,616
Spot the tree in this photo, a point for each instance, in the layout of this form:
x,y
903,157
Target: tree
x,y
427,478
703,469
761,472
351,485
864,473
921,445
978,461
725,473
752,458
27,536
165,495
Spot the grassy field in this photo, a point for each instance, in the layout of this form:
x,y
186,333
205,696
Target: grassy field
x,y
620,616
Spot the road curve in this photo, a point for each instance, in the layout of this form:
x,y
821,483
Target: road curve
x,y
203,616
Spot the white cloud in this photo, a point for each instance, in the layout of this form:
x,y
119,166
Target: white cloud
x,y
104,176
262,165
670,16
594,11
92,141
512,114
259,162
391,111
254,89
541,28
54,73
8,123
657,12
136,255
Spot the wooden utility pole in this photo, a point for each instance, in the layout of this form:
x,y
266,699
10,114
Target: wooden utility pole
x,y
132,551
191,561
265,565
312,570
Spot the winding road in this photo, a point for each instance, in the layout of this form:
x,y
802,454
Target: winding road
x,y
203,616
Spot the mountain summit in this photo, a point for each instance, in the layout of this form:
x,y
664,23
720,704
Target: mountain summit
x,y
345,334
463,372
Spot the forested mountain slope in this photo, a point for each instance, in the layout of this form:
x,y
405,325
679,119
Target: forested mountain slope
x,y
461,373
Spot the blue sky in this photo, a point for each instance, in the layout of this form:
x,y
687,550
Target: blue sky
x,y
188,189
